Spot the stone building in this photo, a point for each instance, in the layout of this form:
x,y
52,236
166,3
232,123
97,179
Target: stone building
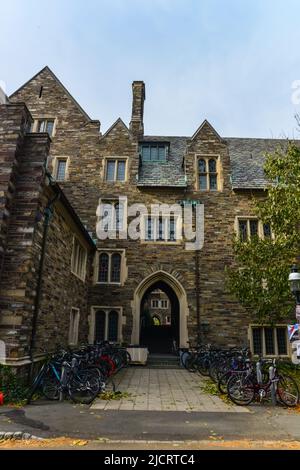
x,y
125,166
46,253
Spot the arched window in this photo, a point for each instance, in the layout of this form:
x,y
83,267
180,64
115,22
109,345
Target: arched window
x,y
202,174
113,323
212,166
100,325
116,267
207,174
103,267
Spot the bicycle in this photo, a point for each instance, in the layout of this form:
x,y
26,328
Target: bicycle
x,y
244,386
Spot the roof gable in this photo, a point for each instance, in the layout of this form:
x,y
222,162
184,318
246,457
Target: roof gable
x,y
49,71
118,123
205,124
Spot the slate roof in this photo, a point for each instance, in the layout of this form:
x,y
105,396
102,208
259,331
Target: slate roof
x,y
169,173
246,162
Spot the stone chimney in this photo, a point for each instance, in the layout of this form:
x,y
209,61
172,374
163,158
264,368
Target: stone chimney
x,y
138,97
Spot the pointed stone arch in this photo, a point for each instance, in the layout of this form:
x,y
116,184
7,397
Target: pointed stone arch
x,y
176,286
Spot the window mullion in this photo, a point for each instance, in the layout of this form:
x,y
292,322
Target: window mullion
x,y
264,342
109,267
116,170
276,342
106,325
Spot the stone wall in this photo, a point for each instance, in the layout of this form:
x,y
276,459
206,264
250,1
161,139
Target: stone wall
x,y
224,321
25,193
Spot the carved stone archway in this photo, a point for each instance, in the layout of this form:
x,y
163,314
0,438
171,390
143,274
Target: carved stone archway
x,y
176,286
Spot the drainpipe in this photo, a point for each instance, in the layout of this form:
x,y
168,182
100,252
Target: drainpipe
x,y
48,214
197,282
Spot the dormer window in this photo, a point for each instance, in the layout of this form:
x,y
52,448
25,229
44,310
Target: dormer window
x,y
153,152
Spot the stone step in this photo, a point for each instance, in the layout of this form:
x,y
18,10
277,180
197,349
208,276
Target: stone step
x,y
163,361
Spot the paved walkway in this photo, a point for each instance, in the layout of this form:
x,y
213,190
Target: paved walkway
x,y
164,390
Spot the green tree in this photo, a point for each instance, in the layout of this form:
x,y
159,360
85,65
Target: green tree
x,y
259,275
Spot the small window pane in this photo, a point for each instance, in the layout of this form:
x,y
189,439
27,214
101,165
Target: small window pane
x,y
269,340
115,267
113,326
213,182
110,170
119,216
212,166
100,326
61,170
202,166
203,182
243,230
42,126
154,153
149,234
281,340
161,229
146,152
253,228
103,267
257,340
172,234
49,127
121,170
267,231
161,153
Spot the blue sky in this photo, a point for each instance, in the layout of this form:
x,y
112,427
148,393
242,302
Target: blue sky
x,y
232,62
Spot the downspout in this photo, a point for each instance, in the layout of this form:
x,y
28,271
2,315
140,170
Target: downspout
x,y
197,282
48,214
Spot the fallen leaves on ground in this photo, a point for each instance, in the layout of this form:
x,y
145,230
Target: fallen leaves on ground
x,y
113,395
211,443
79,442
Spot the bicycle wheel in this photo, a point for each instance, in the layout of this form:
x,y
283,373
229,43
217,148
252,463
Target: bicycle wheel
x,y
287,390
84,386
203,366
190,363
223,380
184,356
240,389
51,387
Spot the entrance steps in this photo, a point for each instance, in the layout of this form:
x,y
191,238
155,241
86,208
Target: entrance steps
x,y
163,361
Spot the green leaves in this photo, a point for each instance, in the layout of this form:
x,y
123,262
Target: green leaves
x,y
259,278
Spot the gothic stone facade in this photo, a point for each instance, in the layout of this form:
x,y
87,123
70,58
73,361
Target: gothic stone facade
x,y
37,298
195,279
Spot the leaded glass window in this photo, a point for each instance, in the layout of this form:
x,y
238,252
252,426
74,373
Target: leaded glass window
x,y
207,174
253,228
100,320
267,230
110,170
153,152
115,170
116,267
61,169
103,267
243,230
281,340
269,341
257,340
113,320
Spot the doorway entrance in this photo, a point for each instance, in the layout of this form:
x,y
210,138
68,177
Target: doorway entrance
x,y
160,311
159,320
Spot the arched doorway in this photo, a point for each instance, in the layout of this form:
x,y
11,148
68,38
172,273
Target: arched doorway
x,y
177,329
